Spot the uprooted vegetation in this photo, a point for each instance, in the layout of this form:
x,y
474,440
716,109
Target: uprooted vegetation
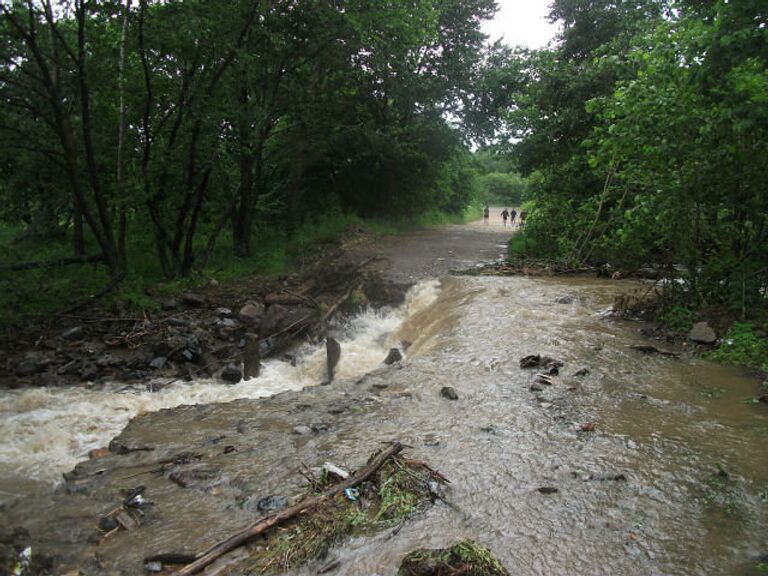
x,y
465,558
387,491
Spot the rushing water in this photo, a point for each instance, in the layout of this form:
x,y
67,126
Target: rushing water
x,y
667,427
46,431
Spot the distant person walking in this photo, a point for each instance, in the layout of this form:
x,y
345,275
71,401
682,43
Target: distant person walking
x,y
504,216
512,216
486,214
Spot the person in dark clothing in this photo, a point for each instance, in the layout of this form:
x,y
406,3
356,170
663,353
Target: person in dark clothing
x,y
486,214
512,216
504,216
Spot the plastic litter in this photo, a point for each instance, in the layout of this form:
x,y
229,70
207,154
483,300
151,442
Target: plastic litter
x,y
352,493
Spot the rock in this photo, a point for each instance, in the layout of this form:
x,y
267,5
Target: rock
x,y
547,490
223,312
565,299
193,300
333,355
251,314
98,453
231,373
88,372
26,368
273,319
74,333
536,387
271,503
107,523
393,356
47,380
227,323
168,304
588,427
531,361
702,333
581,372
449,393
302,430
251,357
177,322
158,363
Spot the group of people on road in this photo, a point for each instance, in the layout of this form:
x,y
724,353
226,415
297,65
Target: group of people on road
x,y
505,215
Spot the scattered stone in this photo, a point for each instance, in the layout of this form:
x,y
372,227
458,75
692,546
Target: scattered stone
x,y
543,379
168,304
393,356
158,363
608,477
588,427
449,393
702,333
547,490
319,427
153,566
251,313
74,333
333,354
581,372
644,349
302,430
530,361
271,503
565,299
223,312
26,368
251,357
227,323
536,387
490,429
107,523
231,373
631,444
193,300
177,322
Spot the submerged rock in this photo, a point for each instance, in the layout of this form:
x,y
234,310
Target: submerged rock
x,y
565,299
231,373
449,393
394,356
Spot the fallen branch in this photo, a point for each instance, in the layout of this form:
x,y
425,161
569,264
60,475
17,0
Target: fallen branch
x,y
332,310
205,558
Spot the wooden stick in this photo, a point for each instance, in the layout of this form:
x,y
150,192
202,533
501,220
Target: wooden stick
x,y
217,550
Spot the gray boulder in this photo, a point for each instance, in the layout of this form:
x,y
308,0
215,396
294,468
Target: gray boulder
x,y
702,333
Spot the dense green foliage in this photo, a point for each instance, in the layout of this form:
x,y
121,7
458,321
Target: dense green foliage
x,y
644,130
131,128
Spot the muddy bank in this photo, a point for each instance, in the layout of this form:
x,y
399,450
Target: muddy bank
x,y
220,331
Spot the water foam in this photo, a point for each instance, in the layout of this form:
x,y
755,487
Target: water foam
x,y
46,431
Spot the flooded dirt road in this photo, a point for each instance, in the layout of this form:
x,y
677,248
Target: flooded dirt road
x,y
672,479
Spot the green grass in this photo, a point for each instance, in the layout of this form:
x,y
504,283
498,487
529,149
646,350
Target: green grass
x,y
465,558
743,345
27,294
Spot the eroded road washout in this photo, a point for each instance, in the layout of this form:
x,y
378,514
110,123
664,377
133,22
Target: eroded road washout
x,y
641,494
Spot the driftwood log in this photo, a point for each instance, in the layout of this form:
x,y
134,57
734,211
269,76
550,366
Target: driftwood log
x,y
217,550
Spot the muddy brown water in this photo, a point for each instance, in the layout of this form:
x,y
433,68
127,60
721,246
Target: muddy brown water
x,y
667,426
